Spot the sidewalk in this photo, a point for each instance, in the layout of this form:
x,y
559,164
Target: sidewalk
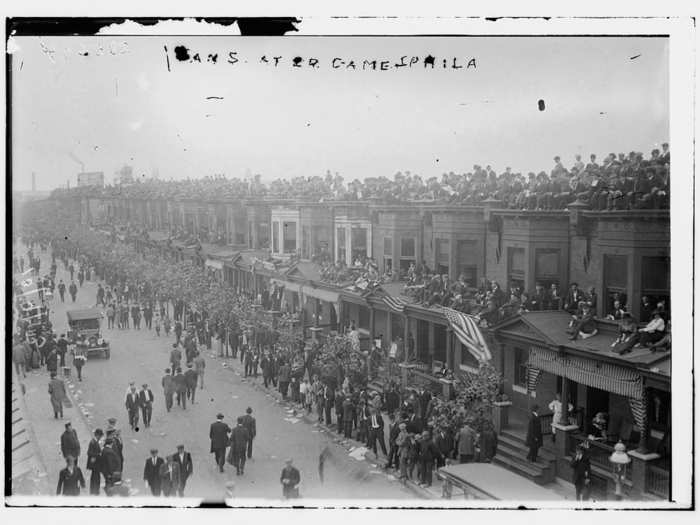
x,y
47,430
352,448
29,475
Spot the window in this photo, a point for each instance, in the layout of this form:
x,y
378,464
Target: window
x,y
388,246
656,274
289,234
615,276
442,256
520,367
547,267
358,243
341,244
408,253
264,232
467,261
306,242
516,267
275,236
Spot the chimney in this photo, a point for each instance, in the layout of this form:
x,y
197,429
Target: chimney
x,y
33,182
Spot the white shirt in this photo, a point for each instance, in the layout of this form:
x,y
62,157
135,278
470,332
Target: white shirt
x,y
654,325
374,421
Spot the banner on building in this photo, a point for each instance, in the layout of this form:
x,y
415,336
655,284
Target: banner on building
x,y
590,372
466,328
396,304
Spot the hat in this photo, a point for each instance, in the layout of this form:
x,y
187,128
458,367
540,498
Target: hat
x,y
144,385
112,421
248,410
98,432
67,424
154,451
219,416
180,447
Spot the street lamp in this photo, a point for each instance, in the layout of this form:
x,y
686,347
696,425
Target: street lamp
x,y
619,461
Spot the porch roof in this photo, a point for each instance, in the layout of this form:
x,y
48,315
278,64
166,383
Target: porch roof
x,y
549,328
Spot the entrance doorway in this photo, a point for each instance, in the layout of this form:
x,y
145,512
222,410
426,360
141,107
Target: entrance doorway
x,y
596,401
423,341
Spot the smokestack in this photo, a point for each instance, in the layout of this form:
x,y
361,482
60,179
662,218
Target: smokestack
x,y
33,182
68,183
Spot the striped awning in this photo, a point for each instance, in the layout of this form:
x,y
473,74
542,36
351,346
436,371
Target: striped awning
x,y
604,376
396,304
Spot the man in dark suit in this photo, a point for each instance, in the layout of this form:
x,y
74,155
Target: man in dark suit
x,y
219,436
180,388
376,431
168,383
573,297
111,464
348,416
581,467
533,438
538,299
249,424
169,476
239,444
394,429
94,455
70,445
146,402
184,462
151,472
132,406
190,382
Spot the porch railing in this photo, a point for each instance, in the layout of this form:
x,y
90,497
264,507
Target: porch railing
x,y
657,481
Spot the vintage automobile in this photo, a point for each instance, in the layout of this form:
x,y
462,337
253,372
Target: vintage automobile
x,y
86,323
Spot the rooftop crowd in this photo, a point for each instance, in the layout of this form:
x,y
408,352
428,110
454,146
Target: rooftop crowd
x,y
619,182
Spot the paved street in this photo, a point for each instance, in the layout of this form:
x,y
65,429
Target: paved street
x,y
141,356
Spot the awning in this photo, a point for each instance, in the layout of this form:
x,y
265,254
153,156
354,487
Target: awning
x,y
318,293
213,263
604,376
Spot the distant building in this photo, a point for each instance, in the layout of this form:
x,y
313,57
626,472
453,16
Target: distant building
x,y
91,178
125,175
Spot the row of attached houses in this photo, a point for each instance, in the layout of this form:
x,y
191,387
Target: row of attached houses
x,y
274,246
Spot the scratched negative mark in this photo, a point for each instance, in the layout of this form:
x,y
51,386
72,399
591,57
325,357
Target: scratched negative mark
x,y
215,98
540,104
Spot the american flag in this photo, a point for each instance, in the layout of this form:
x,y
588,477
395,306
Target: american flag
x,y
466,328
397,304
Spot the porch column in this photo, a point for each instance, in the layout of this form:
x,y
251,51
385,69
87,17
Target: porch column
x,y
348,245
449,351
405,338
565,400
316,305
371,323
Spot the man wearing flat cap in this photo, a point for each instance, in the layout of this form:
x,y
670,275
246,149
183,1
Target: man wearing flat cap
x,y
219,436
184,461
290,479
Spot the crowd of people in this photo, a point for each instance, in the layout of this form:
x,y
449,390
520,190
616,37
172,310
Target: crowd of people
x,y
621,181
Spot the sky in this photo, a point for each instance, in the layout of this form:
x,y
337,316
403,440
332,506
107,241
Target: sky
x,y
110,101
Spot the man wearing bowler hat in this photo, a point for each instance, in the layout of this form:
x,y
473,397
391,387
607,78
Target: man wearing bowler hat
x,y
219,436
